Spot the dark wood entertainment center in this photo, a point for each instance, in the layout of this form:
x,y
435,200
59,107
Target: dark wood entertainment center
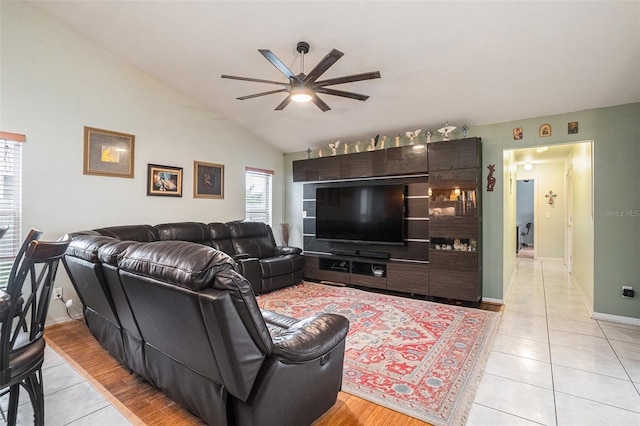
x,y
442,252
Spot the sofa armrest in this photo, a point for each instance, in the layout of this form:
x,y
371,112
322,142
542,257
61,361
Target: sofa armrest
x,y
284,250
249,267
310,338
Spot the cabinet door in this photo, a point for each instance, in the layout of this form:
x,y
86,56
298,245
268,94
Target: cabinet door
x,y
456,154
406,160
408,277
454,275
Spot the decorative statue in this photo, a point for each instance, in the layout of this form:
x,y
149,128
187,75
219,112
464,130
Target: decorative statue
x,y
372,143
413,136
346,148
334,147
308,153
397,141
446,130
357,146
491,181
384,138
428,136
464,129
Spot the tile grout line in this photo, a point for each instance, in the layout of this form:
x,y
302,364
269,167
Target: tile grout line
x,y
546,318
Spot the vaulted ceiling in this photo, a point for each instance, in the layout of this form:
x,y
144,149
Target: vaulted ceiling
x,y
471,63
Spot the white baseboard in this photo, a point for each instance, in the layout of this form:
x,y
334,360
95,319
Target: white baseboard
x,y
616,318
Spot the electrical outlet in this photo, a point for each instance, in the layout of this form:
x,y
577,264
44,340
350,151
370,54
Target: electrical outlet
x,y
57,293
627,291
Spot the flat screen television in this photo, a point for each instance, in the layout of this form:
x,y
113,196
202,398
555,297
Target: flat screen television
x,y
371,214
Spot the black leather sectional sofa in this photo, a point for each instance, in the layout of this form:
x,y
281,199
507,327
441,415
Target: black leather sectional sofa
x,y
172,306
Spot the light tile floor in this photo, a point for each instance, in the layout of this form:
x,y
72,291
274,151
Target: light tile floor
x,y
551,364
69,399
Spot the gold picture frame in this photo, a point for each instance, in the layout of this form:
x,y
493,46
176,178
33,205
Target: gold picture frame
x,y
545,131
208,180
164,181
108,153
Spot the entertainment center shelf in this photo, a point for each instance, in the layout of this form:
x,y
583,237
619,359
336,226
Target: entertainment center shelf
x,y
438,254
374,273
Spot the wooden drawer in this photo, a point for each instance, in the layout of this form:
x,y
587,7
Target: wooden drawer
x,y
369,281
408,277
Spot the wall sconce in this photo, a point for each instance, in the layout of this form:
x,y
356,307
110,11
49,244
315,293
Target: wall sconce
x,y
550,197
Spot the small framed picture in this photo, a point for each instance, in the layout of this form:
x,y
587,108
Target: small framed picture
x,y
208,180
517,133
164,181
545,130
108,153
572,127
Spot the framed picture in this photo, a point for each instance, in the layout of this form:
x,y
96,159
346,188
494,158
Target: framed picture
x,y
572,127
108,153
165,181
517,133
545,130
208,180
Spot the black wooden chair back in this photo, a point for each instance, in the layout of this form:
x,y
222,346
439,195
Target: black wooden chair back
x,y
23,311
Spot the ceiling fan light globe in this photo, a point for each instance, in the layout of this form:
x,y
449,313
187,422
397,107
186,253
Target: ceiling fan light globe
x,y
301,94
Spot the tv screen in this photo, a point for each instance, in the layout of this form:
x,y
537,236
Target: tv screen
x,y
371,214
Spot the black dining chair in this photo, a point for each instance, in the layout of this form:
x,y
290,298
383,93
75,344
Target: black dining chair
x,y
23,310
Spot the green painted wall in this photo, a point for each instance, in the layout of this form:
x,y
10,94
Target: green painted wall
x,y
615,132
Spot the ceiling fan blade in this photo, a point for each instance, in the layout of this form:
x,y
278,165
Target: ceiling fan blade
x,y
323,65
349,95
278,64
256,80
320,103
283,103
271,92
348,79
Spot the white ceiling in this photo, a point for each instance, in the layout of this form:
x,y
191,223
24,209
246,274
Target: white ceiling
x,y
471,63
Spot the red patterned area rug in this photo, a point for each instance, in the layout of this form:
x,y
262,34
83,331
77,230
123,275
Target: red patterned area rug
x,y
420,358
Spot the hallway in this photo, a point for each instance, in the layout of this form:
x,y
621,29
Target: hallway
x,y
551,364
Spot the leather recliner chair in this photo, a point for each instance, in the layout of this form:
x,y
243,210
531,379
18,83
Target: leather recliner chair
x,y
280,266
210,348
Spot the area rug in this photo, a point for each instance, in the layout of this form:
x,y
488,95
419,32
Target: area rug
x,y
420,358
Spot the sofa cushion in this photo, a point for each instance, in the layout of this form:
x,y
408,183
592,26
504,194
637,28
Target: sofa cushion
x,y
142,233
253,238
186,264
280,265
110,252
86,246
221,238
184,231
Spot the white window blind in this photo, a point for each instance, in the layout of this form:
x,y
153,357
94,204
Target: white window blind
x,y
258,195
10,203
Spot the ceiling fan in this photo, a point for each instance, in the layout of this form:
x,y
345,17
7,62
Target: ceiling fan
x,y
305,87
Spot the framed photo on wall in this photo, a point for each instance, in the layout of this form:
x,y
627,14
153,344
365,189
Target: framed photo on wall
x,y
165,181
208,180
108,153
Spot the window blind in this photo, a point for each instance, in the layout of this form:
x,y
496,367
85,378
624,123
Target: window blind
x,y
10,204
258,195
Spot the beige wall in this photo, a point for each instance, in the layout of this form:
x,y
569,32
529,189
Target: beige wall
x,y
53,83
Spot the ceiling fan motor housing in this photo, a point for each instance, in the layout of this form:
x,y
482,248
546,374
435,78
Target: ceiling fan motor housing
x,y
302,47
